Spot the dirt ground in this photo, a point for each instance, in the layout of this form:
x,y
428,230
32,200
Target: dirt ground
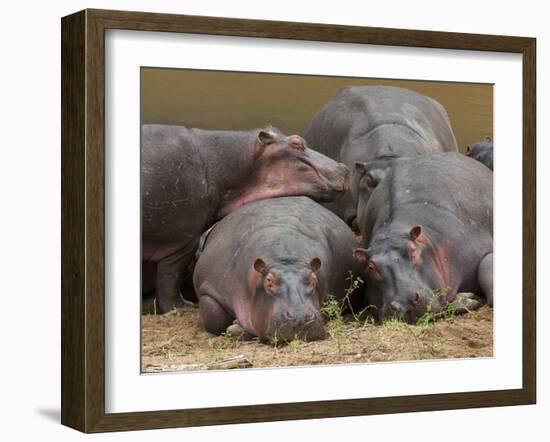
x,y
175,342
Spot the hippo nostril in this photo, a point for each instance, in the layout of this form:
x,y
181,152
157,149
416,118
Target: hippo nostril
x,y
310,317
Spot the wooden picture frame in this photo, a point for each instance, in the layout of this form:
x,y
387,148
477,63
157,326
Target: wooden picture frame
x,y
83,220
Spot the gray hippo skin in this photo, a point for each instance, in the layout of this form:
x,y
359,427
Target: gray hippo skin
x,y
270,265
190,178
427,226
363,123
482,152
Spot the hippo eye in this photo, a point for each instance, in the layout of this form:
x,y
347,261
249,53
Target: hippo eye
x,y
312,280
270,284
414,254
373,270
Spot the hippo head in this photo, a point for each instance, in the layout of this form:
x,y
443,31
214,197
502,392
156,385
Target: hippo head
x,y
366,176
286,166
482,152
407,275
286,303
473,150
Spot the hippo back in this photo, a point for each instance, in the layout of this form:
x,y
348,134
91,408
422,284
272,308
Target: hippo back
x,y
357,111
448,189
284,229
365,123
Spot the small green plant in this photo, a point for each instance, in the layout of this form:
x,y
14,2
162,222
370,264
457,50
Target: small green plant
x,y
331,308
332,311
369,320
274,340
354,283
450,312
427,318
394,322
431,315
294,345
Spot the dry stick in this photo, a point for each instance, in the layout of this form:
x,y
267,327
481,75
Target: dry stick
x,y
239,361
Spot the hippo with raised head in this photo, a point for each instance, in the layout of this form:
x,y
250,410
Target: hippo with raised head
x,y
270,265
190,178
363,123
482,152
428,235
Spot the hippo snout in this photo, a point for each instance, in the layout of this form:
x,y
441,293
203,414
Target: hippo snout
x,y
342,178
396,310
346,180
339,181
308,327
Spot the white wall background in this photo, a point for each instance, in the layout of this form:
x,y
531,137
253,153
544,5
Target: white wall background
x,y
30,216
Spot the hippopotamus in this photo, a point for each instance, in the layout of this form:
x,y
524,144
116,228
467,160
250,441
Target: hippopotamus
x,y
428,236
482,152
270,266
190,178
363,123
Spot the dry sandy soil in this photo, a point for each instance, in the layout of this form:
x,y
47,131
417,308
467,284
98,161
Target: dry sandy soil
x,y
175,342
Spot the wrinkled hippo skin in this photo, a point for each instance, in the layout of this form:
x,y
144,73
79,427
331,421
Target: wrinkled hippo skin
x,y
428,235
270,266
363,123
190,178
482,152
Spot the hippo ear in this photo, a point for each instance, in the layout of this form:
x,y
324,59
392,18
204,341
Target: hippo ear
x,y
360,167
487,138
315,264
415,232
468,150
266,137
373,173
361,255
259,265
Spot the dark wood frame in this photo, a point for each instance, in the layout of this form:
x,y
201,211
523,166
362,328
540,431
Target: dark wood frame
x,y
83,217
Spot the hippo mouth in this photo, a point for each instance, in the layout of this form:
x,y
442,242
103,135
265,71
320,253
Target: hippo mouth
x,y
335,188
331,185
342,185
313,330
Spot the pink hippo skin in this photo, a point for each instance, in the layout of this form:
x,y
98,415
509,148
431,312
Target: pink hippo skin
x,y
190,178
428,235
270,265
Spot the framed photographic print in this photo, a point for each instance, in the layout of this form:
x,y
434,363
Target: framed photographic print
x,y
270,220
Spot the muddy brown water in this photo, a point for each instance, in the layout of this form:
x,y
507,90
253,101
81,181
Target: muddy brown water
x,y
244,101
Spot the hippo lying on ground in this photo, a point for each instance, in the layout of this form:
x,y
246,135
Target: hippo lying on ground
x,y
190,178
428,235
363,123
270,265
482,152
